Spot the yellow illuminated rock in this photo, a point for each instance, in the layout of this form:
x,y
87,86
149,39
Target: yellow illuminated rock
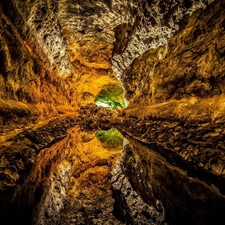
x,y
73,74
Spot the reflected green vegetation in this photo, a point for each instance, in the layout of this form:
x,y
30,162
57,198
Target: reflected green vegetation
x,y
111,96
110,138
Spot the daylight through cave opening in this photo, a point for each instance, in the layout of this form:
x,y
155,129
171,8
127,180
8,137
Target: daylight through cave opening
x,y
110,96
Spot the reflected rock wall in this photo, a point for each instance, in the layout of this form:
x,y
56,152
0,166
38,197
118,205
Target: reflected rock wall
x,y
150,190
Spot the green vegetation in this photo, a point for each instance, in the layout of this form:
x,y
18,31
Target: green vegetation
x,y
110,138
111,96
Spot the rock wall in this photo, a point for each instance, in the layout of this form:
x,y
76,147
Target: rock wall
x,y
51,48
176,102
30,87
190,65
56,56
149,189
45,69
135,202
152,24
176,95
21,183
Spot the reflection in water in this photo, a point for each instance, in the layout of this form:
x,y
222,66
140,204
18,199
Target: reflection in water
x,y
183,199
85,167
110,138
78,186
90,197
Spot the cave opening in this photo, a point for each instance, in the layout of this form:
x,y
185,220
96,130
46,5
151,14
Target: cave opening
x,y
111,96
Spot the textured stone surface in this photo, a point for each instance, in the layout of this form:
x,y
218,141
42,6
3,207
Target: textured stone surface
x,y
29,89
152,23
176,102
54,174
150,190
18,156
56,56
129,207
77,189
43,73
192,63
199,143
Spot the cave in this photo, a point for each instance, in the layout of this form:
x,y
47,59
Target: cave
x,y
112,112
110,96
